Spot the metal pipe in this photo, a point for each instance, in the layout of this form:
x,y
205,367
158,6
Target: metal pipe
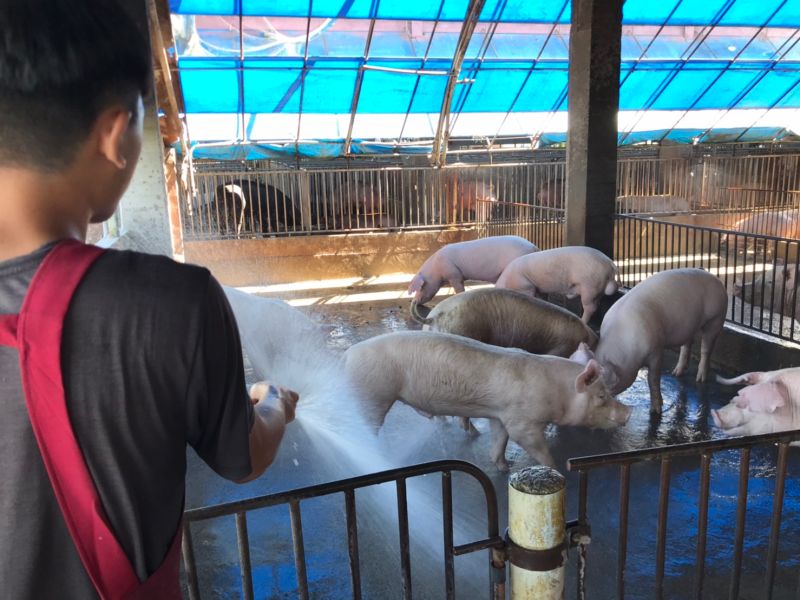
x,y
352,542
447,526
622,542
243,543
189,563
702,524
777,508
583,490
299,548
661,533
402,525
741,514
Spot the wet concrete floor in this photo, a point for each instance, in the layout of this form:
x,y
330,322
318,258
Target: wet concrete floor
x,y
312,455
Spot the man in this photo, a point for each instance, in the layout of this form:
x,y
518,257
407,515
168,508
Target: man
x,y
149,358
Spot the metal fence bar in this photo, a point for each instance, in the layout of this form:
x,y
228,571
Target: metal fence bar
x,y
402,524
447,521
661,532
741,514
702,524
243,544
777,508
583,490
299,548
622,542
189,563
352,542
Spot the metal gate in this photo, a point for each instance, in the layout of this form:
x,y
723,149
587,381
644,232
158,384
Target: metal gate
x,y
705,451
493,542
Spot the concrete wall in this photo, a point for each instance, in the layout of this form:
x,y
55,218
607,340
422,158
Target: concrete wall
x,y
286,260
145,216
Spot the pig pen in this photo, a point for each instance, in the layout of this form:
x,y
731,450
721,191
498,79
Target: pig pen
x,y
327,443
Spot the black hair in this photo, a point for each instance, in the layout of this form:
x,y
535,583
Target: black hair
x,y
62,62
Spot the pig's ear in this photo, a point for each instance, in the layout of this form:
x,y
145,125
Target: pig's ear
x,y
764,397
588,376
583,354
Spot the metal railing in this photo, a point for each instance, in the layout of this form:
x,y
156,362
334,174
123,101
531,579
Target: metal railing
x,y
254,199
760,272
231,204
493,541
708,183
705,450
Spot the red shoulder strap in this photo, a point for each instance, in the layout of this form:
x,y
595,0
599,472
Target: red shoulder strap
x,y
39,329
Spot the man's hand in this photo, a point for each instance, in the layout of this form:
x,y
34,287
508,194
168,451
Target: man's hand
x,y
275,397
274,408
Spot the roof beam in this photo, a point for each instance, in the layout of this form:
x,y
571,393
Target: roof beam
x,y
464,37
348,142
169,95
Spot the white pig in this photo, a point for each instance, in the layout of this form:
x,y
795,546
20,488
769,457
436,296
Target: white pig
x,y
445,374
482,260
509,319
572,270
666,310
768,404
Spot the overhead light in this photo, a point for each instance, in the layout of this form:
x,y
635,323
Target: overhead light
x,y
731,48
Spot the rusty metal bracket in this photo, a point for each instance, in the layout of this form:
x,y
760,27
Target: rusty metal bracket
x,y
578,534
535,560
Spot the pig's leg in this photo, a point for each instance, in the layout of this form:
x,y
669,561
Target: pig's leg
x,y
654,381
589,308
499,442
467,426
683,360
707,340
531,437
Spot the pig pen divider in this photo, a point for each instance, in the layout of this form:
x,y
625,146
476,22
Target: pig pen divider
x,y
520,194
665,455
493,542
761,273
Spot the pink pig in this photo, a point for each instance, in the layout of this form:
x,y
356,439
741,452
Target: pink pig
x,y
768,404
572,270
666,310
482,260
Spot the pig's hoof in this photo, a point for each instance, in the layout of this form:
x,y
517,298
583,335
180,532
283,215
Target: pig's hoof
x,y
502,465
676,372
701,377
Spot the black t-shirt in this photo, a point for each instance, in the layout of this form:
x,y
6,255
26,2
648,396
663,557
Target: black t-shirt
x,y
151,361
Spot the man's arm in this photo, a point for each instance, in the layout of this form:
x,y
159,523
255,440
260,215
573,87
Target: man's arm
x,y
273,409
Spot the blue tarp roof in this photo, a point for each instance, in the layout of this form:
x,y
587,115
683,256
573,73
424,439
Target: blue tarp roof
x,y
637,12
272,72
